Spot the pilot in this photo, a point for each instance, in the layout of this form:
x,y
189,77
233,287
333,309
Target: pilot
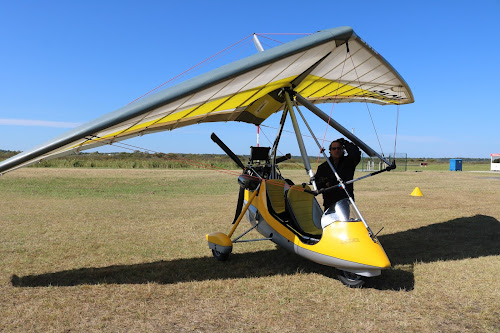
x,y
345,165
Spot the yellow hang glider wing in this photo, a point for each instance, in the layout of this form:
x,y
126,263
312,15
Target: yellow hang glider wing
x,y
330,66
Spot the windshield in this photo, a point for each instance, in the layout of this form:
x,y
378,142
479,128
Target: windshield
x,y
342,211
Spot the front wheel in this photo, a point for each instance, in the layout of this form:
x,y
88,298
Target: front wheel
x,y
351,280
220,256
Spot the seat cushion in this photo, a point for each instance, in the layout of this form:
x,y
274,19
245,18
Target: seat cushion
x,y
276,194
300,205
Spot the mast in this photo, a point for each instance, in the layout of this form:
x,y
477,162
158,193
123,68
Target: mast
x,y
259,47
257,43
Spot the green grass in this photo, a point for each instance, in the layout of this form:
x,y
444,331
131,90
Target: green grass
x,y
443,166
125,250
110,186
141,160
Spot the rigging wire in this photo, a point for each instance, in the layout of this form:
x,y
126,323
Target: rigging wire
x,y
190,69
242,87
167,114
244,47
284,33
277,41
367,107
201,105
333,104
267,138
266,44
211,58
324,135
187,161
284,130
134,148
397,123
272,39
197,66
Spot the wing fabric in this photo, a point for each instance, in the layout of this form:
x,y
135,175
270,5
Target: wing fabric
x,y
246,90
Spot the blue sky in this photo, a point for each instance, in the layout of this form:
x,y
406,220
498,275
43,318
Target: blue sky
x,y
67,62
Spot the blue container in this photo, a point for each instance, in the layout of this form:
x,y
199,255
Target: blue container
x,y
455,164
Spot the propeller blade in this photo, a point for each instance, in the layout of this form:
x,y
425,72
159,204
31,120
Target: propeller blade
x,y
228,151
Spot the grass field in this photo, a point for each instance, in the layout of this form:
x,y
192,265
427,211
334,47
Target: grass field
x,y
144,160
124,250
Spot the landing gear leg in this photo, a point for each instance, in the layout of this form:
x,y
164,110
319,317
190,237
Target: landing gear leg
x,y
350,279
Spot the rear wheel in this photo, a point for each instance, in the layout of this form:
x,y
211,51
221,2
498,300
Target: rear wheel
x,y
351,280
220,256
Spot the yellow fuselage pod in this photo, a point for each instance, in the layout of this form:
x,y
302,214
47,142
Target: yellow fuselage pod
x,y
344,245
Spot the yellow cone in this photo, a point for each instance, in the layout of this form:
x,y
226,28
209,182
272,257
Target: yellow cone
x,y
416,192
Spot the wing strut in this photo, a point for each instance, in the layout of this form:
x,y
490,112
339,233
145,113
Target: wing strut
x,y
303,152
314,109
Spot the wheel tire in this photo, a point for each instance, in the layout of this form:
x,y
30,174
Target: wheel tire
x,y
220,256
351,280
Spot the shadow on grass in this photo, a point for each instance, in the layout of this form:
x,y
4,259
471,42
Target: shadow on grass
x,y
461,238
468,237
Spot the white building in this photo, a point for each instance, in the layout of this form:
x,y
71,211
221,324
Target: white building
x,y
495,162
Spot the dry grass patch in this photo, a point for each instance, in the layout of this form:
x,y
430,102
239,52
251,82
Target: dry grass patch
x,y
124,250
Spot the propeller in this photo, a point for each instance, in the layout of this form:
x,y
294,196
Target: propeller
x,y
226,149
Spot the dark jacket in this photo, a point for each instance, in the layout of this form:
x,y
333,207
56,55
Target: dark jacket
x,y
345,169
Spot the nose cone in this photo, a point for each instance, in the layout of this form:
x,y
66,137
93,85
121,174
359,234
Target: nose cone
x,y
351,241
380,258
